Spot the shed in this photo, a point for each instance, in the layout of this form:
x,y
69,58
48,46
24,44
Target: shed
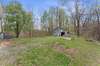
x,y
57,31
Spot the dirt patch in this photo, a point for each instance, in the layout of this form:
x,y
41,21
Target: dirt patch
x,y
69,51
72,51
58,47
6,43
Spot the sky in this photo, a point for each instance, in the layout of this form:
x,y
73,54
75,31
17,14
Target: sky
x,y
39,6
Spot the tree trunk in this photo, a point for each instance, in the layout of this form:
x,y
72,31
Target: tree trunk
x,y
78,27
17,30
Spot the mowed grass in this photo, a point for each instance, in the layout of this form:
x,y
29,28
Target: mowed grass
x,y
39,52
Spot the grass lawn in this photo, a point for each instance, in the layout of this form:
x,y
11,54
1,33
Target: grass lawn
x,y
55,51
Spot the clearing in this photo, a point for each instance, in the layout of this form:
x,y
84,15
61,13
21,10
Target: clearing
x,y
50,51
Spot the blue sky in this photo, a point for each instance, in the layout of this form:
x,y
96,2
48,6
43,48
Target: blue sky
x,y
39,6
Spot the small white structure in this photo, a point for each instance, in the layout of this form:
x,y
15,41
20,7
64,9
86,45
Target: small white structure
x,y
57,31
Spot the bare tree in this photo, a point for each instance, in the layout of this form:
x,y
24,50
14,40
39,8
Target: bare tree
x,y
1,16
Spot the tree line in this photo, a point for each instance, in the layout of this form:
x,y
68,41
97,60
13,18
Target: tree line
x,y
52,18
16,19
81,20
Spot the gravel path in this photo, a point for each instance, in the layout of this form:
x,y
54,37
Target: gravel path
x,y
7,57
8,54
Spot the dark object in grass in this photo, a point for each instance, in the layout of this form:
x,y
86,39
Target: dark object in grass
x,y
90,40
62,33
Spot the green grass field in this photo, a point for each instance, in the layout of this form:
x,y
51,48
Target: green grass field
x,y
55,51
